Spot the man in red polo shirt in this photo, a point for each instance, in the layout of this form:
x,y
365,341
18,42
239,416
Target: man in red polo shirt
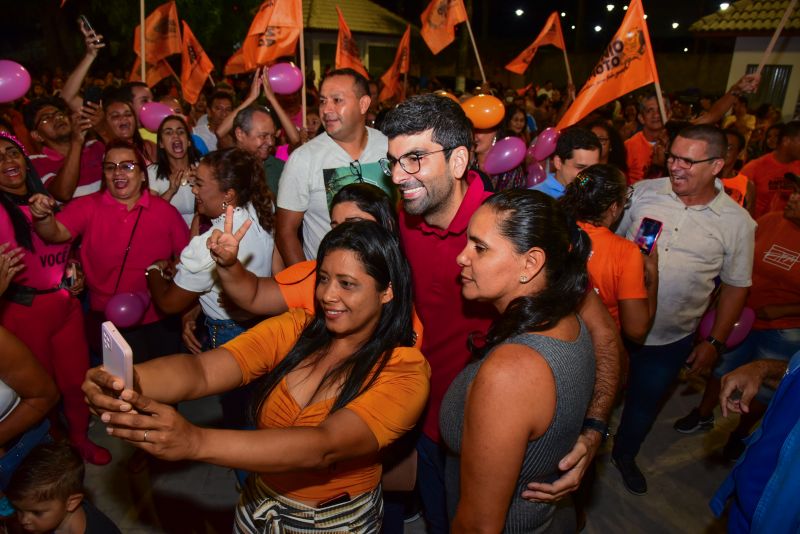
x,y
430,139
68,165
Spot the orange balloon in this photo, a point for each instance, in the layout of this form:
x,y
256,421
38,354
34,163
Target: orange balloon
x,y
485,111
442,92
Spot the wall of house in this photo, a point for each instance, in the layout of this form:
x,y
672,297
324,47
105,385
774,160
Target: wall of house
x,y
749,50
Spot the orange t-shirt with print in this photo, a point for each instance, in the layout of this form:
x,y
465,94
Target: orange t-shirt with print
x,y
616,268
390,407
296,283
736,188
776,269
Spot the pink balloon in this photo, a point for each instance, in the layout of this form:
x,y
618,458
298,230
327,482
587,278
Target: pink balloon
x,y
14,80
152,113
144,297
740,330
125,309
285,78
545,144
536,173
506,154
529,153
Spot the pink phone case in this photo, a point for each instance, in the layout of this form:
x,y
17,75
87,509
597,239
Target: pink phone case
x,y
117,354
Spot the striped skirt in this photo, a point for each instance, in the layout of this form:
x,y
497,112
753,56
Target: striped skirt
x,y
262,511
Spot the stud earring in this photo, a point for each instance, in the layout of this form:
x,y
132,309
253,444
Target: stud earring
x,y
224,205
523,279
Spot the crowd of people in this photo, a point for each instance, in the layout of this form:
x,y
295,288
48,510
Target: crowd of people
x,y
368,301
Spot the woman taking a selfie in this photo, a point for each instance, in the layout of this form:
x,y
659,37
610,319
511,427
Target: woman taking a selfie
x,y
333,389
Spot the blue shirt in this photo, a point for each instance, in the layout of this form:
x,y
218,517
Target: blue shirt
x,y
764,484
550,186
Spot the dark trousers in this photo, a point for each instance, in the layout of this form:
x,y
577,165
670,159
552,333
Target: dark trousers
x,y
430,483
652,371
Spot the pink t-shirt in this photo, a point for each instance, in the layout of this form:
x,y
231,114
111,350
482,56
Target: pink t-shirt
x,y
44,266
49,162
106,226
282,152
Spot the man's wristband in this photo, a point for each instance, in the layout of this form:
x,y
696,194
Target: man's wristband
x,y
597,425
718,345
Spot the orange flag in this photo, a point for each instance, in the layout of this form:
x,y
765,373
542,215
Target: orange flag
x,y
550,35
235,64
626,65
347,55
155,72
161,34
439,22
195,66
391,79
273,32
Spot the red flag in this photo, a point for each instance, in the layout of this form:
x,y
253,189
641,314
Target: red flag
x,y
347,55
626,65
161,34
391,79
273,32
550,35
439,22
521,91
154,72
195,66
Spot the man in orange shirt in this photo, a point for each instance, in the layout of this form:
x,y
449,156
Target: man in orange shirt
x,y
768,171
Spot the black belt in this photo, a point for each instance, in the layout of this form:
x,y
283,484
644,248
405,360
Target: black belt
x,y
20,294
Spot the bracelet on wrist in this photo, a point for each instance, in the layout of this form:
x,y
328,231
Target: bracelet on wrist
x,y
154,267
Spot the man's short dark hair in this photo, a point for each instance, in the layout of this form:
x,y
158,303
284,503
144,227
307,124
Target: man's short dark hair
x,y
244,119
737,135
50,471
576,138
125,92
220,95
713,136
360,84
790,129
449,124
30,111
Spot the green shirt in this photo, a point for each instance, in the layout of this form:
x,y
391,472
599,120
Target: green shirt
x,y
273,167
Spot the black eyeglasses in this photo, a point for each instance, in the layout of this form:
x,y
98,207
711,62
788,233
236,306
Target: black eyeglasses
x,y
408,162
355,169
686,163
126,166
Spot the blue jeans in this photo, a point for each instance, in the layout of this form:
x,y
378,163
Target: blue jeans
x,y
430,483
19,450
652,370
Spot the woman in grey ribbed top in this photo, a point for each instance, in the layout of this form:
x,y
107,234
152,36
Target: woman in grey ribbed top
x,y
510,416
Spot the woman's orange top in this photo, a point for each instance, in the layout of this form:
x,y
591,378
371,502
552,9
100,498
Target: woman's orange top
x,y
297,282
390,407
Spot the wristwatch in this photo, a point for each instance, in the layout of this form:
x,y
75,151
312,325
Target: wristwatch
x,y
597,425
718,345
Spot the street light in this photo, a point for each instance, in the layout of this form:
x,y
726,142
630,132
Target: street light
x,y
723,6
675,25
685,49
610,7
563,14
597,28
572,27
519,12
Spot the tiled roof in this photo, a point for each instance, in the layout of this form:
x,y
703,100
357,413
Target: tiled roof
x,y
749,16
362,16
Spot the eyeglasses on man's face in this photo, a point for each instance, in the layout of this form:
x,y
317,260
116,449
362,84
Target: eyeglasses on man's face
x,y
686,163
50,117
411,162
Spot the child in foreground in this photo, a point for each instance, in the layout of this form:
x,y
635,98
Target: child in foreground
x,y
47,492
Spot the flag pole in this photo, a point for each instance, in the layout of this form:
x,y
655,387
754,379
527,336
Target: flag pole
x,y
302,66
475,47
775,36
141,41
569,71
211,79
660,99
